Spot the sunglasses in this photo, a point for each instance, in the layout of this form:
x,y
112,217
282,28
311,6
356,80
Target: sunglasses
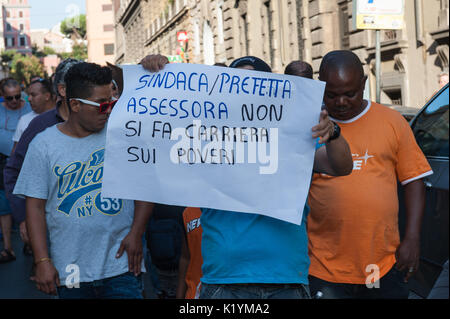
x,y
16,97
102,107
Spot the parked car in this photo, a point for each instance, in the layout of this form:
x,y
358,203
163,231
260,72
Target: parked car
x,y
431,130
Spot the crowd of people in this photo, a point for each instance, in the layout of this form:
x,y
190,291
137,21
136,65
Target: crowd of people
x,y
52,149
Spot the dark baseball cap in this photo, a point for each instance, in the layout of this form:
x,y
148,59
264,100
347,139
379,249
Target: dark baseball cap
x,y
256,63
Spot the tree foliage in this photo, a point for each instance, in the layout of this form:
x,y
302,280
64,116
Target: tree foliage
x,y
74,26
23,67
79,52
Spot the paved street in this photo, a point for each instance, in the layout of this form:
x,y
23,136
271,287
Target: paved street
x,y
14,277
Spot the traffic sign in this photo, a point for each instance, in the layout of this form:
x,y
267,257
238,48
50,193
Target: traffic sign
x,y
378,14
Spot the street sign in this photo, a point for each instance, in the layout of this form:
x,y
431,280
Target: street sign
x,y
175,59
182,36
378,14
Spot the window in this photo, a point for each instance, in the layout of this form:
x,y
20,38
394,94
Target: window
x,y
107,7
220,24
108,27
23,41
20,14
21,27
8,14
431,127
243,32
395,95
109,49
268,50
10,42
344,26
8,27
208,44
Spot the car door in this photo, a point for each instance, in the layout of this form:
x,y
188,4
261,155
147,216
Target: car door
x,y
431,130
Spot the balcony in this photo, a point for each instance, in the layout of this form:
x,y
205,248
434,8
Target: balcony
x,y
391,40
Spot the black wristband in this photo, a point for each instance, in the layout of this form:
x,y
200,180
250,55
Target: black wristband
x,y
336,132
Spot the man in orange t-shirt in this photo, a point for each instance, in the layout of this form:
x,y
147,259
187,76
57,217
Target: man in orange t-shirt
x,y
354,243
190,267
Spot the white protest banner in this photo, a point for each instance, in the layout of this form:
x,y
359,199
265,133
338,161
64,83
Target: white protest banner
x,y
213,137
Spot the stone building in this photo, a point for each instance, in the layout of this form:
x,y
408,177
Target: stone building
x,y
280,31
412,58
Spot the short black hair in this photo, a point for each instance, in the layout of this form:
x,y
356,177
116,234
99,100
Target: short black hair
x,y
299,68
81,78
46,85
341,59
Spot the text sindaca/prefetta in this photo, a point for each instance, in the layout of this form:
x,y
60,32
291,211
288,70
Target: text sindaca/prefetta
x,y
178,108
223,83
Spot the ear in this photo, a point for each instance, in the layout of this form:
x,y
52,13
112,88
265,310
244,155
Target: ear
x,y
75,105
61,89
364,81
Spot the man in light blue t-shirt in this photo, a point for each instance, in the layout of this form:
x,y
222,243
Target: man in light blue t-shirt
x,y
61,178
251,256
11,109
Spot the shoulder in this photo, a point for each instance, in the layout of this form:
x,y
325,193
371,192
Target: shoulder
x,y
28,117
387,112
47,134
45,118
41,122
390,117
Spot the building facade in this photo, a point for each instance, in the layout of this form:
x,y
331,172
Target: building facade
x,y
280,31
16,26
51,38
100,31
411,58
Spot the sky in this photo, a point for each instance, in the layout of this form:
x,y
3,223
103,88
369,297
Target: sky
x,y
45,14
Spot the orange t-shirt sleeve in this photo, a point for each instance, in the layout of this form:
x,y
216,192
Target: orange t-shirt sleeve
x,y
411,162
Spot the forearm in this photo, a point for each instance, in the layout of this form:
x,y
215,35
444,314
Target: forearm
x,y
415,207
339,156
183,266
334,158
142,213
182,270
37,227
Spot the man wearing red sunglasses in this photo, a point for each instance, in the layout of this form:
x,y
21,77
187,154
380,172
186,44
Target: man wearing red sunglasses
x,y
61,179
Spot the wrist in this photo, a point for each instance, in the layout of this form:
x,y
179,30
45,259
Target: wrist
x,y
136,232
335,132
42,260
412,237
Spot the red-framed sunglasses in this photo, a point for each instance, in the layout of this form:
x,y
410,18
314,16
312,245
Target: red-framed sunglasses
x,y
102,107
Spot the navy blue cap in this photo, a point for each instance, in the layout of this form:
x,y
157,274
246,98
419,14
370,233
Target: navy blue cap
x,y
256,63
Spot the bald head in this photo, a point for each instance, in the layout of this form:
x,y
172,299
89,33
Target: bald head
x,y
343,73
299,68
340,62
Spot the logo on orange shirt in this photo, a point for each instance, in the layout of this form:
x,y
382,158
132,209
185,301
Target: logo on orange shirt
x,y
359,160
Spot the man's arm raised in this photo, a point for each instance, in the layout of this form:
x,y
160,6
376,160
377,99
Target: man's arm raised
x,y
335,158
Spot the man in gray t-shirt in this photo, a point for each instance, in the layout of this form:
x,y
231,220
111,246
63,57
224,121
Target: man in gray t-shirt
x,y
61,179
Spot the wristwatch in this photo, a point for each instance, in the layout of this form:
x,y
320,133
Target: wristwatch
x,y
336,132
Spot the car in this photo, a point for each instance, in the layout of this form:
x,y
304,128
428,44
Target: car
x,y
431,130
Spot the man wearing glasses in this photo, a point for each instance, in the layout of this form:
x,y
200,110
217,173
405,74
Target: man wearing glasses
x,y
11,110
61,179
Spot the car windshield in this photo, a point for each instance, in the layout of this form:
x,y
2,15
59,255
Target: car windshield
x,y
432,125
